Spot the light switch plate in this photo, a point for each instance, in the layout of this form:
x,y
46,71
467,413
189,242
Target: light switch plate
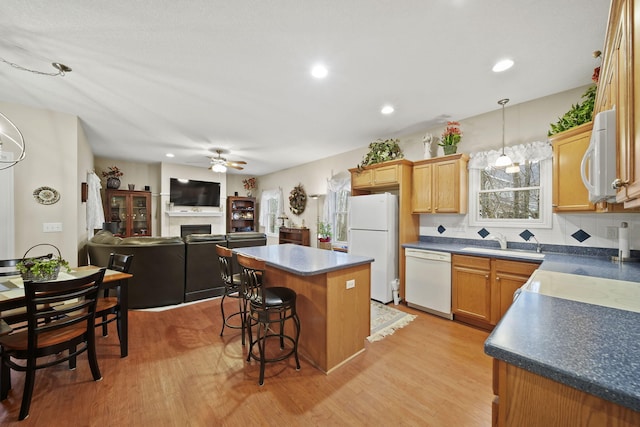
x,y
51,227
351,284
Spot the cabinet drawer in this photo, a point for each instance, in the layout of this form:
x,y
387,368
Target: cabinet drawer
x,y
516,267
472,261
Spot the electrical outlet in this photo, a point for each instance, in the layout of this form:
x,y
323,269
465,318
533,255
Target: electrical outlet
x,y
612,232
51,227
351,284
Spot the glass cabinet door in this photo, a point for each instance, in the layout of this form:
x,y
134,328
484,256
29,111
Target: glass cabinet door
x,y
139,216
119,213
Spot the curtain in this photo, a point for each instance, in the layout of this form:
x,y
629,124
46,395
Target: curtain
x,y
95,213
531,151
264,205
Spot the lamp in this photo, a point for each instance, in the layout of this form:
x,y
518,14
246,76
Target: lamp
x,y
503,161
17,139
219,168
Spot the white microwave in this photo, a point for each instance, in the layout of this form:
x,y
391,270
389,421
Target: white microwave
x,y
598,166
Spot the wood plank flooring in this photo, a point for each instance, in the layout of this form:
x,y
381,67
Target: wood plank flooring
x,y
180,372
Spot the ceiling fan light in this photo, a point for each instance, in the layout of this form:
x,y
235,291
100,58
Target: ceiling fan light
x,y
219,168
514,168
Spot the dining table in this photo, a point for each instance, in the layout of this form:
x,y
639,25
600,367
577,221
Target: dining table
x,y
12,296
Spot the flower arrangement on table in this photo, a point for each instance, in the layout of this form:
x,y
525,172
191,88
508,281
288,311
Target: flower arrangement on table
x,y
249,185
451,137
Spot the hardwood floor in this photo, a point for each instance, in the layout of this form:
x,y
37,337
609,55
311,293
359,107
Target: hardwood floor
x,y
180,372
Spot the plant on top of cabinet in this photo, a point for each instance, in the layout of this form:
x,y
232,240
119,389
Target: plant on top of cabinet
x,y
382,151
579,114
451,137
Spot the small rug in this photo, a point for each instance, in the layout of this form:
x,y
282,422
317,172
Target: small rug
x,y
385,320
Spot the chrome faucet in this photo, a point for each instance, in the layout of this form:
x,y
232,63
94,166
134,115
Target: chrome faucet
x,y
500,238
538,246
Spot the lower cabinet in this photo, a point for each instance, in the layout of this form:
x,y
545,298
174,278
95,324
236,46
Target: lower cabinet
x,y
483,288
523,398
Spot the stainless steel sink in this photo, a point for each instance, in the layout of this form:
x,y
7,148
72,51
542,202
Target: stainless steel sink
x,y
507,252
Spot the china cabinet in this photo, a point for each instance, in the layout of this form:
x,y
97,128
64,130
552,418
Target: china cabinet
x,y
130,210
241,214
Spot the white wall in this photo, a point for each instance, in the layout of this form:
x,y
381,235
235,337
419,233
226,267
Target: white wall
x,y
53,159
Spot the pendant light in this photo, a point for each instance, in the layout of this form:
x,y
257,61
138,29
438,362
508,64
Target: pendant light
x,y
503,161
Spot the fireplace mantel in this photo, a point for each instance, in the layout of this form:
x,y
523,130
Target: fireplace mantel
x,y
192,213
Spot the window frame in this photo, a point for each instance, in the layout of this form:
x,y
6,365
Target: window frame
x,y
545,200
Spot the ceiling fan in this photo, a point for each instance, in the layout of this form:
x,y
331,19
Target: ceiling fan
x,y
220,164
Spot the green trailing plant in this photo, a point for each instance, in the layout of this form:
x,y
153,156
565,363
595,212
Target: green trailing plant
x,y
42,268
324,231
579,113
382,151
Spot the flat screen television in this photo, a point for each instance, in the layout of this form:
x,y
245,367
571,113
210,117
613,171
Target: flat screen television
x,y
194,193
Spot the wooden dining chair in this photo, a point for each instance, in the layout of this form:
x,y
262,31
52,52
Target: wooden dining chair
x,y
108,307
9,267
72,332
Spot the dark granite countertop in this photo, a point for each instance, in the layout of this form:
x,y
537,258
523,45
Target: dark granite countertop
x,y
589,347
303,260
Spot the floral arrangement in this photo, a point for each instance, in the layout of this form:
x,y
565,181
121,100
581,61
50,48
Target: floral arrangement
x,y
382,151
451,135
249,183
112,172
324,231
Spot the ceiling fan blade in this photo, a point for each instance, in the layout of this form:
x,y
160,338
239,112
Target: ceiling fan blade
x,y
236,162
236,167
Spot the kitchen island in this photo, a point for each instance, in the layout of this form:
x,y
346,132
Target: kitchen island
x,y
333,298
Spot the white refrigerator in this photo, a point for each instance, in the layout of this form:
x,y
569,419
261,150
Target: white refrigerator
x,y
373,232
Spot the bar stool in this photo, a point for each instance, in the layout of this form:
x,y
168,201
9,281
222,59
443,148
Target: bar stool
x,y
267,305
231,289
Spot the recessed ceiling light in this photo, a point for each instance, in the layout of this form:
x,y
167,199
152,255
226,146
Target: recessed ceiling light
x,y
502,65
319,71
387,109
170,155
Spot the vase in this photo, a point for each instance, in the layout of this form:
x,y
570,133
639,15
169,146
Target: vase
x,y
450,149
248,193
113,182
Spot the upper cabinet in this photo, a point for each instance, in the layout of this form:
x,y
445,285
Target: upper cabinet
x,y
569,193
440,185
618,90
377,176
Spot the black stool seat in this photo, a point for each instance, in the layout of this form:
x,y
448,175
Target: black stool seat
x,y
268,306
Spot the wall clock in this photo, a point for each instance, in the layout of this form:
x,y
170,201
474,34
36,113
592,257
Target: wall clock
x,y
297,199
46,195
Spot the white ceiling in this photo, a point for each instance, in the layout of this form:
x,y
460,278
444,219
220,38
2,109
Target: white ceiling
x,y
185,76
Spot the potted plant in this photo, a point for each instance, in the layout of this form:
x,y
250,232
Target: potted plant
x,y
382,151
324,235
42,268
113,175
451,138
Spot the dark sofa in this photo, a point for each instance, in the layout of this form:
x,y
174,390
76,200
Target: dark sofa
x,y
170,270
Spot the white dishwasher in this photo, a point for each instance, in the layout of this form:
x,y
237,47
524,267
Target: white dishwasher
x,y
428,281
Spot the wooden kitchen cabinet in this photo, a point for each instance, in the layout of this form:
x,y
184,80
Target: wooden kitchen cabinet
x,y
617,89
395,177
520,395
130,210
440,185
569,193
482,288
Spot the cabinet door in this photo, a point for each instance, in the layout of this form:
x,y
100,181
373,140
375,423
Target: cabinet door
x,y
569,193
118,211
510,276
361,179
471,288
421,196
446,190
139,215
385,175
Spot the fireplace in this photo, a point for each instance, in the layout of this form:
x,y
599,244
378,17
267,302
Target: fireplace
x,y
185,230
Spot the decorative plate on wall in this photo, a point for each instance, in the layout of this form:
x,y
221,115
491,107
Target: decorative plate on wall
x,y
297,200
46,195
